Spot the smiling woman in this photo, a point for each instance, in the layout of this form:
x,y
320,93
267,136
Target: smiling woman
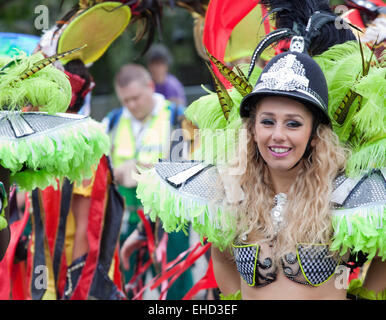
x,y
296,213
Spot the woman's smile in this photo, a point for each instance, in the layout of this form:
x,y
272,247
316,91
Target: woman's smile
x,y
278,151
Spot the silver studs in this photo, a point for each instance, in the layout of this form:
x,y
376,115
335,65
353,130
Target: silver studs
x,y
290,258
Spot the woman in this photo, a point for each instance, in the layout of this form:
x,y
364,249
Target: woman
x,y
281,238
291,219
294,156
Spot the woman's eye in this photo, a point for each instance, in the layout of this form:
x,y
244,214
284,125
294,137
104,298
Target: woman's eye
x,y
293,124
267,122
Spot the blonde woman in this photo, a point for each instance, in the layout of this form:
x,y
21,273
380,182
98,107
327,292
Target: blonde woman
x,y
287,233
284,220
305,198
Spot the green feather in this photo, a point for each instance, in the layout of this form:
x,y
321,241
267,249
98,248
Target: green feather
x,y
348,69
49,88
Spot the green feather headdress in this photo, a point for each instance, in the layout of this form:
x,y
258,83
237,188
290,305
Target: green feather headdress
x,y
33,80
357,92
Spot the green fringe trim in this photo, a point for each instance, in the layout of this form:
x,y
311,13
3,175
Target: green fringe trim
x,y
3,220
177,211
49,88
70,151
232,296
356,288
360,229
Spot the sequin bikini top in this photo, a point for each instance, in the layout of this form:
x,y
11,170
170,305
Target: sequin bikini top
x,y
309,264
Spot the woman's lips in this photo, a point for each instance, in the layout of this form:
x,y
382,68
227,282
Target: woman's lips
x,y
279,151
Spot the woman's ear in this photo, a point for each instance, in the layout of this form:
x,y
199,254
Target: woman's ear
x,y
313,142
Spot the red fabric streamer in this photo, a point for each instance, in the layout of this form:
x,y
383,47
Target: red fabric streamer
x,y
149,232
160,255
167,266
51,200
178,269
208,281
221,18
117,277
187,263
12,282
94,231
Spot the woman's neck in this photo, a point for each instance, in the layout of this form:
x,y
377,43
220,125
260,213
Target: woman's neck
x,y
283,180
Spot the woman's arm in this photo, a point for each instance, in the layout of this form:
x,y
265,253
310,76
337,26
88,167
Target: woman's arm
x,y
225,272
376,275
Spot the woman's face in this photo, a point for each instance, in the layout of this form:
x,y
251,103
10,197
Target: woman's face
x,y
282,130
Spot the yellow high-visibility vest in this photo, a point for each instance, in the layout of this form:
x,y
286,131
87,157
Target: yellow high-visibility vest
x,y
153,144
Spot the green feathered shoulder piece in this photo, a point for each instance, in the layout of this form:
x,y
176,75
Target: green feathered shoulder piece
x,y
184,194
357,108
48,147
359,217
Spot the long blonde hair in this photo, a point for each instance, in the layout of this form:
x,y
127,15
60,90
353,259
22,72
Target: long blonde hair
x,y
308,212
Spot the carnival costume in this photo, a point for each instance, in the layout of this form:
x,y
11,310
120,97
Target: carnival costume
x,y
40,148
183,193
96,274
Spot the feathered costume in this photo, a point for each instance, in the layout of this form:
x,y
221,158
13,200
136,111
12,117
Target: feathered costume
x,y
95,275
40,148
182,193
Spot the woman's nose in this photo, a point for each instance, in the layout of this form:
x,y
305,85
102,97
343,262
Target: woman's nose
x,y
278,133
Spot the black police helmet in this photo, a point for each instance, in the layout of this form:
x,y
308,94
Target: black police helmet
x,y
294,75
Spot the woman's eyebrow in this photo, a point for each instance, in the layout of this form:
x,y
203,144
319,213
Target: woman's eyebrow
x,y
266,114
288,115
292,115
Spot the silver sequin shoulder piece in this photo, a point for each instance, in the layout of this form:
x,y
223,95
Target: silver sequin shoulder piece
x,y
192,179
366,190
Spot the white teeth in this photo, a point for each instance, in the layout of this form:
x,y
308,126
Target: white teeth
x,y
280,150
